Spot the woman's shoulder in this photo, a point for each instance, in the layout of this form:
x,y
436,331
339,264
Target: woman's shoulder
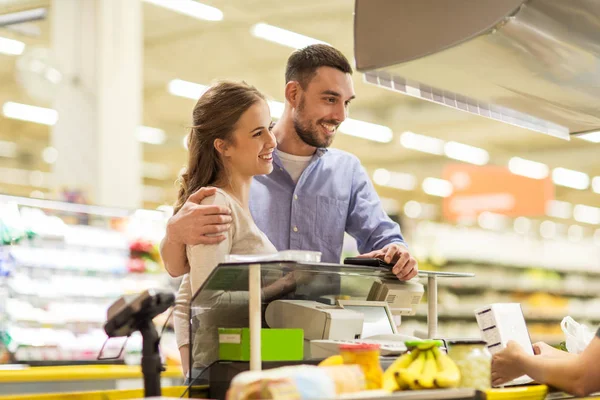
x,y
220,198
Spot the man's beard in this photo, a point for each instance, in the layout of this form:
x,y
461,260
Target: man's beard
x,y
308,132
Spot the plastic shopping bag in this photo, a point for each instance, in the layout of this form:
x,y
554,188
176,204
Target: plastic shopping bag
x,y
578,336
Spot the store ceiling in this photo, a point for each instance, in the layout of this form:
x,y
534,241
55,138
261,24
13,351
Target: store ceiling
x,y
178,46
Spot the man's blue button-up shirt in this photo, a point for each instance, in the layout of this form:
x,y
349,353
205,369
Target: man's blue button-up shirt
x,y
333,195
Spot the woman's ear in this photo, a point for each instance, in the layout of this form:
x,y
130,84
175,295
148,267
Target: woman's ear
x,y
292,93
221,147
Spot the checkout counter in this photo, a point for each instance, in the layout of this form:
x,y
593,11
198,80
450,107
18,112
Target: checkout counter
x,y
330,303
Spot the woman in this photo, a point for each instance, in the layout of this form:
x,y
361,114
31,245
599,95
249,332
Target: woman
x,y
578,374
229,143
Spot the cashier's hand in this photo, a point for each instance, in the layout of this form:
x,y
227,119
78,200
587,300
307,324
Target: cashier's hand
x,y
507,364
405,267
199,224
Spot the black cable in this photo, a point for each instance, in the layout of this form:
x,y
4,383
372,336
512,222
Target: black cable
x,y
165,324
197,377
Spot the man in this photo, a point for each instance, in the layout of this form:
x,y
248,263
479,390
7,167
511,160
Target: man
x,y
314,194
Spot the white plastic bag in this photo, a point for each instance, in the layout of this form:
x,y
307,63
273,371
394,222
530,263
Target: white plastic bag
x,y
578,336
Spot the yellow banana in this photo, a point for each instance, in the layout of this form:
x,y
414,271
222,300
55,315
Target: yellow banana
x,y
430,369
411,374
332,360
448,375
389,376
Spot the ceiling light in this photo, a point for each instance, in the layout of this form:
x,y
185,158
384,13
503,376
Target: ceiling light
x,y
24,112
19,19
50,155
423,143
412,209
190,90
548,229
191,8
37,194
575,233
559,209
8,149
570,178
466,153
522,225
382,176
528,168
587,214
596,184
276,108
11,47
146,134
593,137
396,180
437,187
492,221
282,36
366,130
156,171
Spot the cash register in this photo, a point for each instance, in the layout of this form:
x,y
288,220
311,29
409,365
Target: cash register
x,y
373,320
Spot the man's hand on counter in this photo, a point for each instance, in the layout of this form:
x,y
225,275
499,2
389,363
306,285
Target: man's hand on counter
x,y
405,267
194,221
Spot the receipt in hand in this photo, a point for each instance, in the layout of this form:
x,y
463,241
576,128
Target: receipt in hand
x,y
500,323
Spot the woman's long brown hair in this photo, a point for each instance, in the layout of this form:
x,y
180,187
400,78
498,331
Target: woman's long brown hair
x,y
214,117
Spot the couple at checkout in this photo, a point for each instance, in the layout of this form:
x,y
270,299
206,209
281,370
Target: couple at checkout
x,y
254,187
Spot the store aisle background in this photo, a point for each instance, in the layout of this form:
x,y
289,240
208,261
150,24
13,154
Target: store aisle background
x,y
547,257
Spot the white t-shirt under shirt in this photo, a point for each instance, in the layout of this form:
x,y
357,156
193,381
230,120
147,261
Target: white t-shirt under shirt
x,y
294,165
243,237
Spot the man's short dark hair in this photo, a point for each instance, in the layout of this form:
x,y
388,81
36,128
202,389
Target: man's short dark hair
x,y
302,65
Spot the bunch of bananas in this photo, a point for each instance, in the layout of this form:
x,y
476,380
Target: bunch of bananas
x,y
424,367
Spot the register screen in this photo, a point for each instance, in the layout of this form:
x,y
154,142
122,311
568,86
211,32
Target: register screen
x,y
376,320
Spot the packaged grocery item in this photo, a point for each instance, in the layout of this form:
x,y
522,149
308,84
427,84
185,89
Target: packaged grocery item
x,y
474,362
367,356
347,378
296,382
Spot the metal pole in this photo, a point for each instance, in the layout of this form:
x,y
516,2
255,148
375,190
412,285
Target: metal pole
x,y
254,310
432,315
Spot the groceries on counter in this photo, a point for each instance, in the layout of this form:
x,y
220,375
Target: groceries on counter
x,y
297,382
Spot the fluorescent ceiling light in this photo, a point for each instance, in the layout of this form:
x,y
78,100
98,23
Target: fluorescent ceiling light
x,y
366,130
19,18
190,90
282,36
146,134
593,137
156,171
466,153
559,209
50,155
548,229
575,233
412,209
587,214
437,187
190,8
522,225
8,149
570,178
396,180
276,108
11,47
492,221
423,143
24,112
528,168
596,184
